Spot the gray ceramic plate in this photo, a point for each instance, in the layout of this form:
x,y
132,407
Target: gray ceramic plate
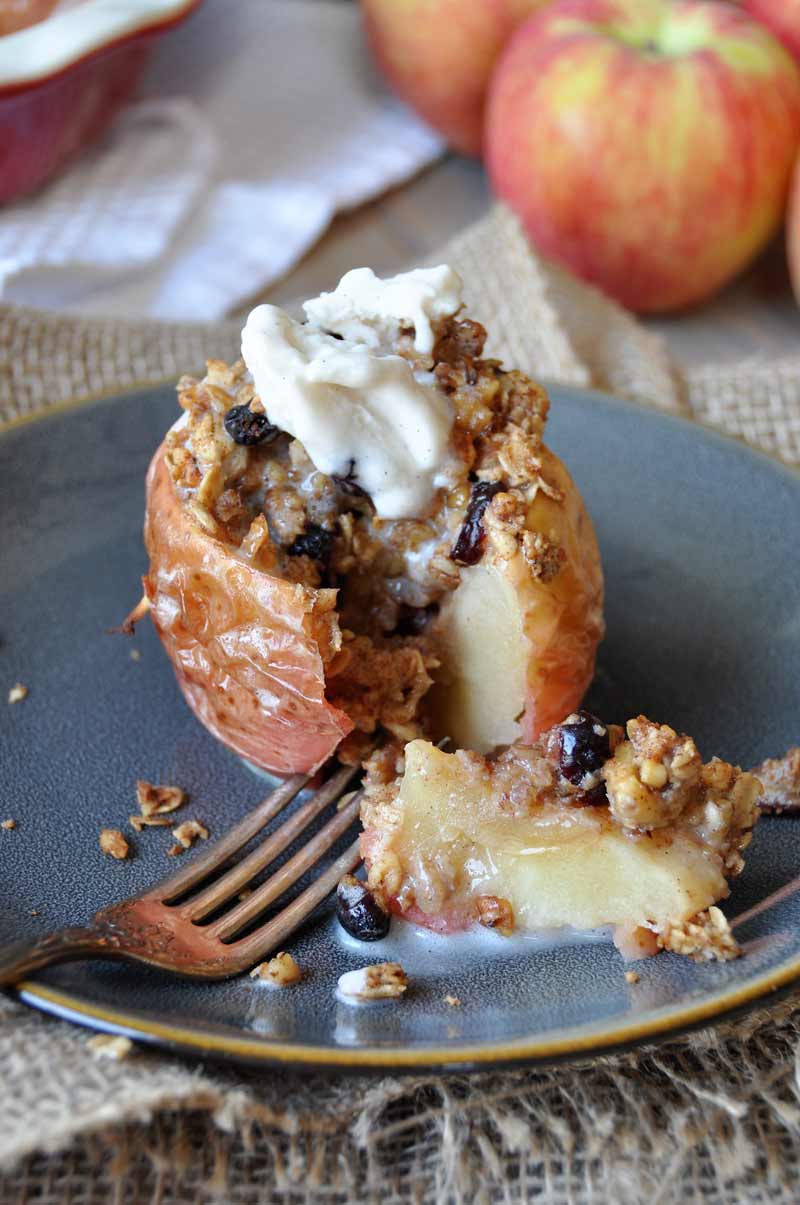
x,y
700,542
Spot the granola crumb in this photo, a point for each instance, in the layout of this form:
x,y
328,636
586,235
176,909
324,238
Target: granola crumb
x,y
383,981
631,977
496,913
280,971
780,779
135,655
706,937
453,1001
34,912
158,801
17,693
110,1046
8,824
139,823
175,850
188,832
113,842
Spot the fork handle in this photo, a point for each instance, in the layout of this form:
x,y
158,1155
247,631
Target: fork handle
x,y
64,945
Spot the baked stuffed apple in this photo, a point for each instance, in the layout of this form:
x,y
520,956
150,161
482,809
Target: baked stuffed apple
x,y
585,828
357,533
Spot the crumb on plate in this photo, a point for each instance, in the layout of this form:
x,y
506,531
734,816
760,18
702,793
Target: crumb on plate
x,y
384,980
631,977
188,832
281,971
113,842
8,824
135,655
17,693
158,801
110,1046
706,937
142,822
453,1001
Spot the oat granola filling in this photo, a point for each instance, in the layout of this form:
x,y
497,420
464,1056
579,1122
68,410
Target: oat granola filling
x,y
585,828
378,585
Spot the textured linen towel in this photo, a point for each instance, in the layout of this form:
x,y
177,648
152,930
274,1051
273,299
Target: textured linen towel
x,y
712,1117
257,122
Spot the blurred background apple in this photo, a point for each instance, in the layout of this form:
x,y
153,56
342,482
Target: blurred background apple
x,y
782,17
439,54
647,145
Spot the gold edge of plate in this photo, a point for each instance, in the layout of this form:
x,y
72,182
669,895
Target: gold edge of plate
x,y
260,1049
23,420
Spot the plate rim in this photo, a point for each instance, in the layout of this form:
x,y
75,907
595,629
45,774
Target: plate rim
x,y
576,1043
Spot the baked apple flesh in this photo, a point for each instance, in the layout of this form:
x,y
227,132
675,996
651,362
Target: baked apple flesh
x,y
359,532
582,830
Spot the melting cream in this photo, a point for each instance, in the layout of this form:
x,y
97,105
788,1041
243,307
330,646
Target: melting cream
x,y
369,310
353,406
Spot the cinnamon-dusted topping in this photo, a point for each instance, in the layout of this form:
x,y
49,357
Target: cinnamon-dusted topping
x,y
780,779
17,693
706,937
280,971
158,801
496,913
384,981
189,831
652,775
113,842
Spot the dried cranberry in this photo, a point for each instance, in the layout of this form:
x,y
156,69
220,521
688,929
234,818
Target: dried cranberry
x,y
468,548
247,428
315,542
584,747
593,798
358,911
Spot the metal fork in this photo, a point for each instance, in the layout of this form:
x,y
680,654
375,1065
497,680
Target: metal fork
x,y
163,926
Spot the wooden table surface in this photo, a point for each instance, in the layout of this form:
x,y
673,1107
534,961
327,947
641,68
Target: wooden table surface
x,y
756,316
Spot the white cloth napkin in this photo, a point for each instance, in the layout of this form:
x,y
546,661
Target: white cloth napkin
x,y
255,124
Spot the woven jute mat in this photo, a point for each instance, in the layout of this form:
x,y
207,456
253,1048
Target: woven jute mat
x,y
714,1116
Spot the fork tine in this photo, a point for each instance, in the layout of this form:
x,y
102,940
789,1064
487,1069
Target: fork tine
x,y
225,887
274,933
233,922
243,832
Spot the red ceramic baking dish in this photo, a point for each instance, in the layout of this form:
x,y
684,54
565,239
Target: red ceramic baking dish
x,y
64,78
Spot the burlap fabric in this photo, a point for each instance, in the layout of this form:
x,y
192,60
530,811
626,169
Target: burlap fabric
x,y
712,1117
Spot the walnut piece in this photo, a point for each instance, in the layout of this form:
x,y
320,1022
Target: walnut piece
x,y
113,842
188,832
280,971
496,913
158,801
17,693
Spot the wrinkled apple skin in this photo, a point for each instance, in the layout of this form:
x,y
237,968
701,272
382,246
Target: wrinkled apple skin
x,y
240,641
645,145
438,56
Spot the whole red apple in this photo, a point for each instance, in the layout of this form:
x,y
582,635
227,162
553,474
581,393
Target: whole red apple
x,y
438,55
782,17
793,231
646,144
